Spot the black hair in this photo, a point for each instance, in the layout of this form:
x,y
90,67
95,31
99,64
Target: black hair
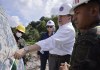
x,y
95,1
98,1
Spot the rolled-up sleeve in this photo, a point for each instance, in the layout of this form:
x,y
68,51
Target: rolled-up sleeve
x,y
46,44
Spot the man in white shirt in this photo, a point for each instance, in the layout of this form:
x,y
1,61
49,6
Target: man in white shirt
x,y
60,45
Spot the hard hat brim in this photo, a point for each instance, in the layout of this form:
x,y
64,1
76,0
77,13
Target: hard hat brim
x,y
72,9
77,5
62,14
22,31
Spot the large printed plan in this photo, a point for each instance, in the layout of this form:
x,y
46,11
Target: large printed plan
x,y
7,44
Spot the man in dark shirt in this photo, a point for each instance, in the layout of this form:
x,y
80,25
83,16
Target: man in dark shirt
x,y
44,55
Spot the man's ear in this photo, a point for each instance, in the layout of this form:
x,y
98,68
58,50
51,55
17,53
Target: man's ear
x,y
69,18
94,11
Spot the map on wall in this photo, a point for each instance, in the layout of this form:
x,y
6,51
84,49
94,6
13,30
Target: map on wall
x,y
7,44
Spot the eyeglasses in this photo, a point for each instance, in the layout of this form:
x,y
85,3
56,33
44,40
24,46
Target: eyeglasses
x,y
49,26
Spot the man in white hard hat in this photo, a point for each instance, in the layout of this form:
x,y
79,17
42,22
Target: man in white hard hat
x,y
65,41
60,45
86,52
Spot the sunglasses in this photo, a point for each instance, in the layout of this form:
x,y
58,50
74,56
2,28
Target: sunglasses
x,y
49,26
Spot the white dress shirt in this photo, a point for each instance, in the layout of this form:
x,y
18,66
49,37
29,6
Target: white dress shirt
x,y
61,43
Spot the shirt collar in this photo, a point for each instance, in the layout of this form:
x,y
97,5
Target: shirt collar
x,y
65,24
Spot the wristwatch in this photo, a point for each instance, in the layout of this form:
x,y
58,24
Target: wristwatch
x,y
26,49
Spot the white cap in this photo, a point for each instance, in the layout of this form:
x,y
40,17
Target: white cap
x,y
50,23
65,9
76,3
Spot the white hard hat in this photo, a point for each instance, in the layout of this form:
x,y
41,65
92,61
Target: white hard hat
x,y
64,9
50,23
76,3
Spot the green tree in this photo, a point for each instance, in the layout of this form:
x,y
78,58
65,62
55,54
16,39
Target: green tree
x,y
55,19
42,26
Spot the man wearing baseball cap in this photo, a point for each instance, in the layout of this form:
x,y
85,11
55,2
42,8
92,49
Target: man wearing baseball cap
x,y
86,52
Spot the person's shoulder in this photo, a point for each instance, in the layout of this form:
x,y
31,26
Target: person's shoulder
x,y
97,30
94,31
43,34
92,34
21,39
68,26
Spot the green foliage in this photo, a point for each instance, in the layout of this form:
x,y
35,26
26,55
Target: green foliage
x,y
36,35
30,42
32,33
35,28
13,30
55,19
42,26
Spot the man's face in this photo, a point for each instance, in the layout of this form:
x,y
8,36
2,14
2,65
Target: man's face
x,y
62,19
82,17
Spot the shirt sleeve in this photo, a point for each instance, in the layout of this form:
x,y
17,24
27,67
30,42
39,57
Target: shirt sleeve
x,y
62,36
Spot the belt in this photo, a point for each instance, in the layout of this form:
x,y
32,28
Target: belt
x,y
55,55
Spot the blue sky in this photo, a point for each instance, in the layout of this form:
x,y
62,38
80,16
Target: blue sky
x,y
25,11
